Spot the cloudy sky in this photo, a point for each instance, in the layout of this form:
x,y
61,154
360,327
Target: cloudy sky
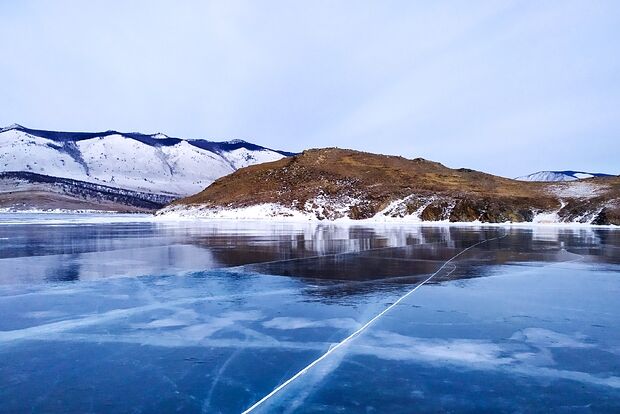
x,y
506,87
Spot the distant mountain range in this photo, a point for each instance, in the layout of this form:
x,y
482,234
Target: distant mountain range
x,y
153,164
560,176
134,172
332,183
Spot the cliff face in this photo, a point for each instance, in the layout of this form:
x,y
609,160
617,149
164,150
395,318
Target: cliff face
x,y
334,183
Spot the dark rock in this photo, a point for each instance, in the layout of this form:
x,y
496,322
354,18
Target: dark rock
x,y
435,211
465,210
362,211
608,216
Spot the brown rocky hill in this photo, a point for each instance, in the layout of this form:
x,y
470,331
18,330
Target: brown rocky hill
x,y
332,183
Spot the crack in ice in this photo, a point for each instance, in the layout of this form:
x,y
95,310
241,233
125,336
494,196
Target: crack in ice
x,y
361,329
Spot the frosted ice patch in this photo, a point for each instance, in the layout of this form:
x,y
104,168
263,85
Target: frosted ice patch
x,y
289,323
550,339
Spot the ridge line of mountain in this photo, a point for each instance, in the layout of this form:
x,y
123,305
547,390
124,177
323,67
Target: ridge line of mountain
x,y
132,161
63,136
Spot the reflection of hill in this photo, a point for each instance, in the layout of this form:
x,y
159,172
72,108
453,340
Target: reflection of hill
x,y
396,255
359,272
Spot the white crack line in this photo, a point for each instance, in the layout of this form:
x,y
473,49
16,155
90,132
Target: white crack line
x,y
360,329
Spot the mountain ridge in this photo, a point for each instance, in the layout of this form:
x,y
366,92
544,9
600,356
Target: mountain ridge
x,y
64,136
133,161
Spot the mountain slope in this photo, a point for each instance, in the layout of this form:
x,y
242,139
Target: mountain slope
x,y
568,175
138,162
334,183
27,191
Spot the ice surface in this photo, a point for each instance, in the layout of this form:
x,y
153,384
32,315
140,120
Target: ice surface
x,y
149,316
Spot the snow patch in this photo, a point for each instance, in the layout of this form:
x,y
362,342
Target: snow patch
x,y
256,212
329,207
583,175
398,210
547,176
242,157
577,190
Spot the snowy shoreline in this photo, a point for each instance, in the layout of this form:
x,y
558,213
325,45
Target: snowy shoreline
x,y
86,218
276,213
232,215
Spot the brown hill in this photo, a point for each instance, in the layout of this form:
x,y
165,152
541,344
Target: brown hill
x,y
332,183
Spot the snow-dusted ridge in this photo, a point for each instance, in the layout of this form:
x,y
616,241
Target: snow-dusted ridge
x,y
153,163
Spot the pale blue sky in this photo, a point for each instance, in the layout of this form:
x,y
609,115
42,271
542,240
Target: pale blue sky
x,y
501,86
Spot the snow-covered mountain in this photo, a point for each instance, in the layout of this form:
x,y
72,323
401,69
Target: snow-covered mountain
x,y
560,176
148,163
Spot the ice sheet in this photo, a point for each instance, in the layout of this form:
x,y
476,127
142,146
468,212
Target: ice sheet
x,y
212,317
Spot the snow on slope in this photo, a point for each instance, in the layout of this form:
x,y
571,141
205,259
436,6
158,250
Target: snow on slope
x,y
242,157
559,176
23,152
127,163
184,159
153,163
258,212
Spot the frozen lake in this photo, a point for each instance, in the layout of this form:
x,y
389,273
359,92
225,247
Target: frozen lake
x,y
142,316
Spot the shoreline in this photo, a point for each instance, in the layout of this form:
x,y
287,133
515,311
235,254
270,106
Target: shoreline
x,y
372,221
278,213
83,216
